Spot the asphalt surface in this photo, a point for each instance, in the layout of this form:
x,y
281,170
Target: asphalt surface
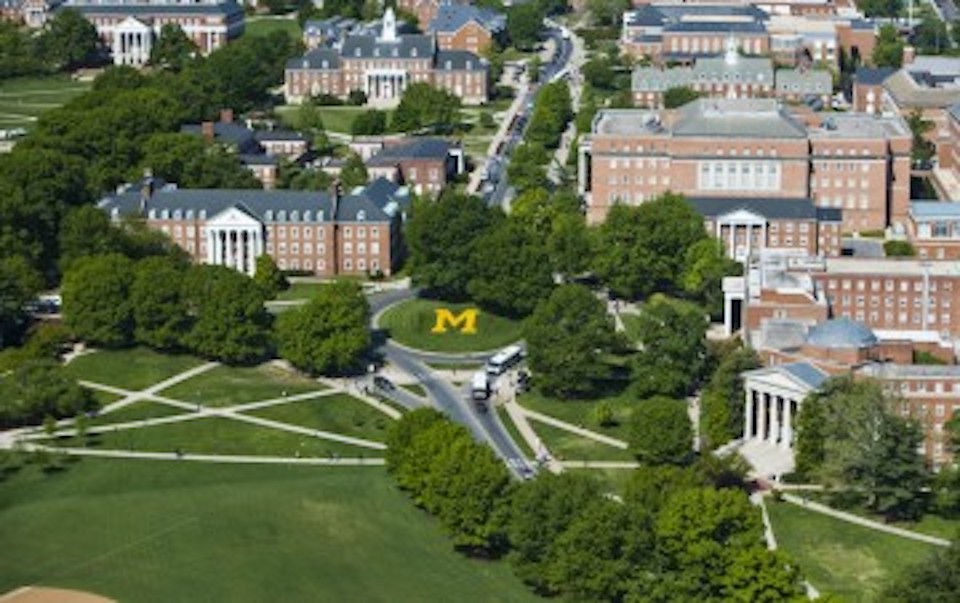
x,y
453,402
501,186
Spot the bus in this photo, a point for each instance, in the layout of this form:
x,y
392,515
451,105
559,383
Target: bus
x,y
480,388
504,359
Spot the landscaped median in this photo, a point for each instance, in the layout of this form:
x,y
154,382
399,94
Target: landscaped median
x,y
413,323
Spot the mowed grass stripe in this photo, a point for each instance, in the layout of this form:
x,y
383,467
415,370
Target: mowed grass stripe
x,y
162,532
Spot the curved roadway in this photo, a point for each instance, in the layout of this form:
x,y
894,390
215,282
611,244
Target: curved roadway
x,y
454,403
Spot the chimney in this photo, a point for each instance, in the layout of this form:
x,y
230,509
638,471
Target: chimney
x,y
226,116
207,130
909,54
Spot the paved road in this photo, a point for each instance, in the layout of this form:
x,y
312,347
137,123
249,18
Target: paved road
x,y
453,402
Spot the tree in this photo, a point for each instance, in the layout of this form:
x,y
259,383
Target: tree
x,y
540,511
721,402
192,162
643,249
18,52
270,278
354,173
524,23
898,249
424,106
889,49
369,123
650,486
598,72
569,245
923,150
758,574
679,96
849,436
933,580
40,389
329,334
87,231
230,321
19,284
706,267
442,236
672,347
159,309
173,50
930,35
660,432
511,270
567,337
955,32
96,300
607,12
881,8
69,41
526,168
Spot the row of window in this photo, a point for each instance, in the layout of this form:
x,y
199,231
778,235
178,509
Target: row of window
x,y
888,301
888,285
739,175
902,318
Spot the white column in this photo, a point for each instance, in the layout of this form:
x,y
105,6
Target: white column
x,y
732,230
231,250
749,234
787,440
775,418
251,252
763,418
210,245
748,414
217,247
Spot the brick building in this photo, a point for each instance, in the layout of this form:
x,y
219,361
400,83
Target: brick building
x,y
934,229
466,27
383,65
129,28
749,148
425,10
732,76
425,165
328,235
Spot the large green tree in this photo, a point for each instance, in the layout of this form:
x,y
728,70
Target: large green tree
x,y
933,580
424,106
40,389
888,51
527,167
850,437
524,23
96,300
567,337
159,308
87,231
721,401
69,41
706,267
269,277
191,162
354,173
511,270
660,432
672,347
442,237
19,284
329,334
173,50
643,249
230,321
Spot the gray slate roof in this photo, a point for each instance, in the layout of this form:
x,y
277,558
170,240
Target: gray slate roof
x,y
873,76
810,81
417,148
232,134
451,17
829,214
769,208
319,58
405,47
716,27
226,7
742,118
806,372
459,60
841,333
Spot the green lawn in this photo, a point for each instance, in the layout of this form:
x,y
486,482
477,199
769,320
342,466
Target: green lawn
x,y
141,409
415,388
580,412
339,413
410,323
22,100
566,446
301,291
613,481
219,436
104,398
336,118
159,532
264,26
511,428
840,558
134,369
227,386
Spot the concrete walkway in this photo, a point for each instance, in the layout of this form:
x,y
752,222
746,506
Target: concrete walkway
x,y
208,458
599,464
134,396
515,414
863,521
580,431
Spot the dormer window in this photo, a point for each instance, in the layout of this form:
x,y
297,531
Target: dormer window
x,y
268,215
281,216
325,64
153,214
177,215
294,216
203,214
115,213
361,215
449,65
165,214
306,215
189,214
413,52
320,216
356,52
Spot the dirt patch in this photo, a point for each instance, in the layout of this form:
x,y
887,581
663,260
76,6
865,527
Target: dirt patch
x,y
32,594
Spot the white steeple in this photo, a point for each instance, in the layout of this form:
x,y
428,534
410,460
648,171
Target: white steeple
x,y
389,31
732,55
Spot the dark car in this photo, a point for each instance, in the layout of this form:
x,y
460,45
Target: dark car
x,y
384,383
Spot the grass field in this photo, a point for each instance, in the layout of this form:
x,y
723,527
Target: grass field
x,y
22,100
840,558
410,323
219,436
336,118
159,532
141,409
264,26
227,385
415,388
580,412
511,428
135,369
301,291
566,446
339,413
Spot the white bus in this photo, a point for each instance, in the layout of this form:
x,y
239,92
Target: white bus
x,y
480,386
504,359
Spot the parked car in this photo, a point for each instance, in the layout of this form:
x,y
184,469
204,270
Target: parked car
x,y
384,383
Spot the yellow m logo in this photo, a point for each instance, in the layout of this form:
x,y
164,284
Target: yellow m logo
x,y
466,321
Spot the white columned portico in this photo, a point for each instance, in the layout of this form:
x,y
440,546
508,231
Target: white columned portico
x,y
235,239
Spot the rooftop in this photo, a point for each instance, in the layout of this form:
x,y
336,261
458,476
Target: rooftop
x,y
451,17
627,121
841,333
911,371
891,267
770,208
873,76
860,125
935,209
739,118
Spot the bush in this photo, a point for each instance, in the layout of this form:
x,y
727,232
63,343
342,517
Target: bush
x,y
898,249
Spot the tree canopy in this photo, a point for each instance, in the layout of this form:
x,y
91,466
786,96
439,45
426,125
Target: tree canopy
x,y
173,50
40,389
424,106
96,300
672,347
660,432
